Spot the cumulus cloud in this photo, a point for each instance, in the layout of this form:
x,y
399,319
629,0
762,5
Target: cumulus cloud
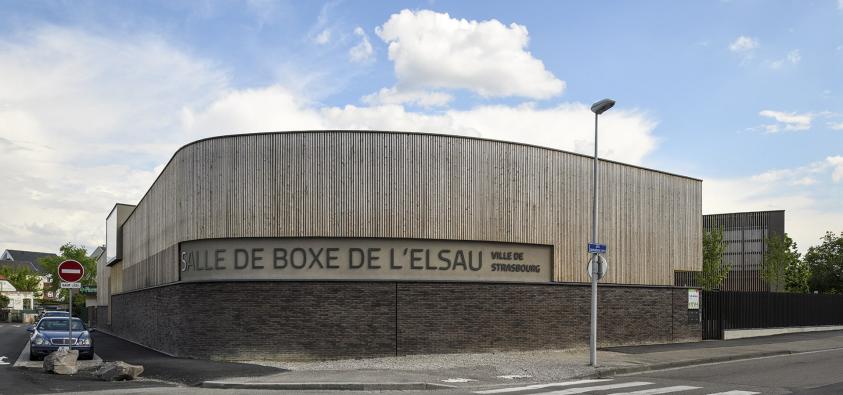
x,y
363,51
792,58
743,44
87,121
323,37
810,196
433,50
787,121
625,135
88,118
395,96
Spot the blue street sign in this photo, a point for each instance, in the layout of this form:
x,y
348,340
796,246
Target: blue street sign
x,y
594,248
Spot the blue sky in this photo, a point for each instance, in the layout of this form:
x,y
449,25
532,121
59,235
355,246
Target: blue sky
x,y
747,95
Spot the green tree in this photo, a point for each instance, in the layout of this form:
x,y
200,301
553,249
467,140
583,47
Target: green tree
x,y
4,301
826,264
780,254
714,270
797,277
22,279
76,253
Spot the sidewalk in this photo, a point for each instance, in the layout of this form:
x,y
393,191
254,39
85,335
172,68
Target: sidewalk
x,y
488,370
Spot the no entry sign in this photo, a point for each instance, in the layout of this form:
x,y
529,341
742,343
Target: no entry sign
x,y
71,271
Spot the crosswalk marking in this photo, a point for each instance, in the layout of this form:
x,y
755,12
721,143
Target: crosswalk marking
x,y
736,393
540,386
582,390
663,390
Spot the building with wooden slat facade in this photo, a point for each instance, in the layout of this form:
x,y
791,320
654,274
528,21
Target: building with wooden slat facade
x,y
326,244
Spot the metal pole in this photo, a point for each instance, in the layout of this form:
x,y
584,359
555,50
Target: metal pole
x,y
595,263
69,317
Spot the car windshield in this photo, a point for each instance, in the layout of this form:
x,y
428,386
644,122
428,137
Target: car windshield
x,y
59,325
55,314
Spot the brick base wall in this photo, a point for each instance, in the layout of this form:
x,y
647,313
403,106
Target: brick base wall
x,y
315,320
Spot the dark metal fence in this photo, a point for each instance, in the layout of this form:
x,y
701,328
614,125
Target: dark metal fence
x,y
747,310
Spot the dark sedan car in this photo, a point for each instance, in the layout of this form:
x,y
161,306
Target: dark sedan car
x,y
51,333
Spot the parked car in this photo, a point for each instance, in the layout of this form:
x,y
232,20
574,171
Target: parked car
x,y
50,333
53,313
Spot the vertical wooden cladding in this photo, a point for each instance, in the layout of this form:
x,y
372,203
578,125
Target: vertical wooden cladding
x,y
407,185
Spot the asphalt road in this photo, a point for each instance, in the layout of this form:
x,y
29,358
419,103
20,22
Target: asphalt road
x,y
179,370
162,373
819,372
13,338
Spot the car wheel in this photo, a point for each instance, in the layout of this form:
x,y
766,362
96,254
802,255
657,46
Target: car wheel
x,y
32,357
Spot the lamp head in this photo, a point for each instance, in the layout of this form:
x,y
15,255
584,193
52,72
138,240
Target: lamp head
x,y
601,106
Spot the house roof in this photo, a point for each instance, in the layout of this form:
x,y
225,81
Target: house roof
x,y
29,256
22,264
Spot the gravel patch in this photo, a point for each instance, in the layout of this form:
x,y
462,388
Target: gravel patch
x,y
541,365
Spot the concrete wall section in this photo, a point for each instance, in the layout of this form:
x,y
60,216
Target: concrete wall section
x,y
313,320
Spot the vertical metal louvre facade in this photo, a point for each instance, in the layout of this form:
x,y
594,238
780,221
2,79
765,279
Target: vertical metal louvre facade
x,y
745,235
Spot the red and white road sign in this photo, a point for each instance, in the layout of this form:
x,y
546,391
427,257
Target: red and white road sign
x,y
71,271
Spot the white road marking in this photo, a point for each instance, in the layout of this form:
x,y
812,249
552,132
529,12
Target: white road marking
x,y
582,390
540,386
663,390
515,376
457,380
736,393
3,360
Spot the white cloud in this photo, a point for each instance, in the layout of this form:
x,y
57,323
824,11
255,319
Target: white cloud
x,y
87,121
363,51
794,57
743,44
420,98
787,121
323,37
625,135
836,125
433,50
836,163
840,4
87,118
810,196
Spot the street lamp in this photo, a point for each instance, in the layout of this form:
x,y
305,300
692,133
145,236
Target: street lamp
x,y
597,108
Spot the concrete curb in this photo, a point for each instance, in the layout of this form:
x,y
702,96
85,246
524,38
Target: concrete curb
x,y
350,386
609,372
23,361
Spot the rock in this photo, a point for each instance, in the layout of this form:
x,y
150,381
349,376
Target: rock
x,y
62,362
118,371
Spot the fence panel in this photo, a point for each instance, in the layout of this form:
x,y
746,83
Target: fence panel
x,y
747,310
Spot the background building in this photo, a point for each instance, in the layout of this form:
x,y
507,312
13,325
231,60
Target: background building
x,y
745,235
31,260
205,265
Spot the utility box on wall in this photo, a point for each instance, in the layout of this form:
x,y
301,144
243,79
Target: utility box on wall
x,y
114,232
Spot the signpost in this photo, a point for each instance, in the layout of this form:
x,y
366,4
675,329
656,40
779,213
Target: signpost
x,y
603,266
70,272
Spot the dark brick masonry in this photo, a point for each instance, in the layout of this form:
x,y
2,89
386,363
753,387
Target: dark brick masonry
x,y
313,320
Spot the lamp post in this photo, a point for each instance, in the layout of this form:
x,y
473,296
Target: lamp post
x,y
597,108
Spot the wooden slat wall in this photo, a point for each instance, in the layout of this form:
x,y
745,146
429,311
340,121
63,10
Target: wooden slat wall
x,y
407,185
